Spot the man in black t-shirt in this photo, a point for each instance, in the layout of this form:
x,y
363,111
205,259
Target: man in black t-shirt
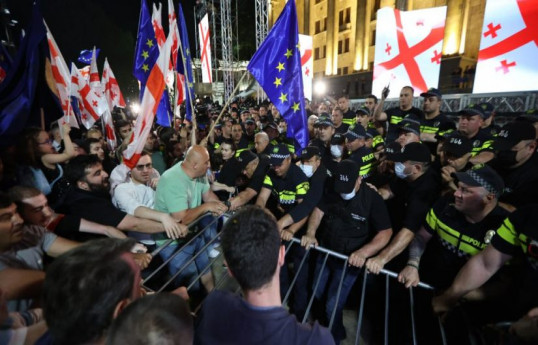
x,y
434,121
410,195
395,115
517,163
356,225
254,167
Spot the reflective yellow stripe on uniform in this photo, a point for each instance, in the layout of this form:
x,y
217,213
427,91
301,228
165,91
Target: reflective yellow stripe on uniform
x,y
302,188
462,243
238,152
267,181
428,129
286,197
291,148
377,140
508,233
349,121
365,170
395,119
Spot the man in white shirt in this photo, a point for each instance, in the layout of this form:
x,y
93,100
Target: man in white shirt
x,y
136,198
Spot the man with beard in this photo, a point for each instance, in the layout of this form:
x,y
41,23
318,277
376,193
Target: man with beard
x,y
89,198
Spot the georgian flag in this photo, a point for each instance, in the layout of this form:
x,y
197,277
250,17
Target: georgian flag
x,y
62,79
95,81
508,48
408,49
150,102
111,88
156,22
205,48
91,104
307,64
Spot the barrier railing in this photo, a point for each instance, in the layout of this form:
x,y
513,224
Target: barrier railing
x,y
326,253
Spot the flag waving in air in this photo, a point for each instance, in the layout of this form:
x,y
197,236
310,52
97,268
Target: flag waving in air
x,y
408,49
147,49
62,78
111,88
90,103
508,47
85,56
184,65
277,67
148,107
205,48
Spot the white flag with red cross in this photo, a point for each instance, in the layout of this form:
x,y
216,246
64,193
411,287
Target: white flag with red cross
x,y
156,22
62,78
307,64
148,107
408,48
95,81
205,48
507,60
90,103
111,88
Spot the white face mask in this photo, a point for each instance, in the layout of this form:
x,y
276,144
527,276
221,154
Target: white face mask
x,y
348,196
280,130
307,169
399,170
336,151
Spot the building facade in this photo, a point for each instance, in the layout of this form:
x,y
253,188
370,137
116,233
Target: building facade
x,y
344,31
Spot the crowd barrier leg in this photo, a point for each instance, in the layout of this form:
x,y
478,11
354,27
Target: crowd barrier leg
x,y
314,291
412,311
386,330
361,307
296,275
179,250
333,313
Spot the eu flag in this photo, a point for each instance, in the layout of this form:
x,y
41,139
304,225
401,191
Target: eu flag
x,y
85,56
277,68
146,50
25,98
185,58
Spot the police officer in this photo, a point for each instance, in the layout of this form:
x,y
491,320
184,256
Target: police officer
x,y
358,152
517,162
518,234
357,224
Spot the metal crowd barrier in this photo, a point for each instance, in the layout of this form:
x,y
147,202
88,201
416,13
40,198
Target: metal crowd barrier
x,y
388,274
322,251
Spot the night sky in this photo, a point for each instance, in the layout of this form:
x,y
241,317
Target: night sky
x,y
112,25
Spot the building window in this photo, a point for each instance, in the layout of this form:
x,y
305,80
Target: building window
x,y
316,53
318,1
344,18
339,71
318,27
372,38
345,70
339,47
377,6
324,52
343,46
346,45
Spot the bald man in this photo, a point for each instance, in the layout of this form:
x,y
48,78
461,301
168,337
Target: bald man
x,y
184,192
262,144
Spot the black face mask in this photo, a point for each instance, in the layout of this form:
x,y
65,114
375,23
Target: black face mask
x,y
507,157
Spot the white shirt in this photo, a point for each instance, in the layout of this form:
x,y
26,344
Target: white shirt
x,y
128,196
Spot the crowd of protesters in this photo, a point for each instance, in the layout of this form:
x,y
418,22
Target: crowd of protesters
x,y
449,199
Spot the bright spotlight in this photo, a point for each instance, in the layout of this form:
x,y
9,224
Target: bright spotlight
x,y
135,108
320,87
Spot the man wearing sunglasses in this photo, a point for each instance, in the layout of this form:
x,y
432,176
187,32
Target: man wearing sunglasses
x,y
137,197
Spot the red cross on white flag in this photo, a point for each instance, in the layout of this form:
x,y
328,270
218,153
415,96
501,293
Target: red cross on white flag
x,y
91,104
62,78
408,49
508,48
111,88
307,64
205,48
156,16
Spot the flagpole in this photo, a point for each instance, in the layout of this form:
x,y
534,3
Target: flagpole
x,y
227,103
188,93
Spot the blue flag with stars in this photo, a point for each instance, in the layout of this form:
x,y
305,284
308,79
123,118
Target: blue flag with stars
x,y
85,56
146,50
185,58
276,65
